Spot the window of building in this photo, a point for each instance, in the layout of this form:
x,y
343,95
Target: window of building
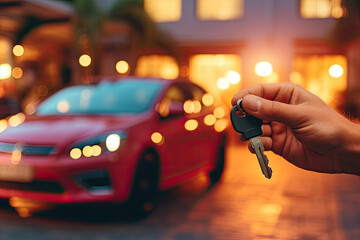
x,y
323,75
321,9
163,10
157,66
219,9
217,73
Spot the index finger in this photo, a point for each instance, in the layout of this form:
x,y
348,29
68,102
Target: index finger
x,y
271,91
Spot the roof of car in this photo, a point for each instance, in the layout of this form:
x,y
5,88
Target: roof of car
x,y
98,79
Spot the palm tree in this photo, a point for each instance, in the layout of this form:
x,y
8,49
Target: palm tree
x,y
89,23
346,35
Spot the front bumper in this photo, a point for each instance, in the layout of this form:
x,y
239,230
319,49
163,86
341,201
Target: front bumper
x,y
63,181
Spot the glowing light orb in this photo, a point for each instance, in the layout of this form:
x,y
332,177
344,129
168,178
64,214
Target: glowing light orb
x,y
263,69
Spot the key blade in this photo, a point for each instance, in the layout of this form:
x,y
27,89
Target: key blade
x,y
262,158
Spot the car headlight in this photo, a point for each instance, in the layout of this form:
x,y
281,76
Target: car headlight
x,y
95,146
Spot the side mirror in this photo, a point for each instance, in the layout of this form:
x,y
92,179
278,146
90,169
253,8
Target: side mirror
x,y
169,109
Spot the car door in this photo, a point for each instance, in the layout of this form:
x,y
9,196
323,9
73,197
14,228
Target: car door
x,y
202,140
176,146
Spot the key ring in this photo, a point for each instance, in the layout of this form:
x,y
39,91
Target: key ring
x,y
239,106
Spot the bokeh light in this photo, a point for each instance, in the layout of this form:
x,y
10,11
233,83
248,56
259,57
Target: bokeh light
x,y
219,112
122,67
3,125
87,151
5,71
220,125
63,106
263,69
191,125
157,138
207,99
223,83
75,153
336,70
96,150
209,120
18,50
233,77
85,60
17,72
113,142
16,120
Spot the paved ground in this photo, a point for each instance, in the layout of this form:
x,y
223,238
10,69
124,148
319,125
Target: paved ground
x,y
294,204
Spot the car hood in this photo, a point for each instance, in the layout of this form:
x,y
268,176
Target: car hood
x,y
59,130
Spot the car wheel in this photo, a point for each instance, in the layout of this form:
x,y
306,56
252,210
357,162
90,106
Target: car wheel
x,y
216,174
143,195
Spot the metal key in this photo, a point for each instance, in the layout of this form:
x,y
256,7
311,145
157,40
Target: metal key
x,y
250,128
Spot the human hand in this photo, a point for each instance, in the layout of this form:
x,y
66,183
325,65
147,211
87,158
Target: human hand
x,y
300,127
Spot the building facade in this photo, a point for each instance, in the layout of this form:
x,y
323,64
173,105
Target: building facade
x,y
223,45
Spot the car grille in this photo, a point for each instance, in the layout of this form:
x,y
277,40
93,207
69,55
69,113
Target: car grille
x,y
27,149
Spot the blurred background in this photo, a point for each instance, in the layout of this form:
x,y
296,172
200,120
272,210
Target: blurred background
x,y
221,45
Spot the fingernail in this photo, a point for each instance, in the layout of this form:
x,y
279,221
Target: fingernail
x,y
253,103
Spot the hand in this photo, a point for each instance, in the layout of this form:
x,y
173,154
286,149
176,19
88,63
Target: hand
x,y
300,127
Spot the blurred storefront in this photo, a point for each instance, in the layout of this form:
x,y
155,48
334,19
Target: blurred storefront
x,y
221,45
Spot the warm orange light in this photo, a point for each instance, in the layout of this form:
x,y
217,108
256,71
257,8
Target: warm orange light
x,y
197,106
191,125
233,77
122,67
295,77
163,11
18,50
75,153
188,106
219,112
263,69
85,60
3,125
336,71
157,138
5,71
16,120
207,99
223,83
220,125
157,66
96,150
87,151
209,120
169,70
16,157
17,72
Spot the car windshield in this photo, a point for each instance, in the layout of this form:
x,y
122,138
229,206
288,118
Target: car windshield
x,y
121,97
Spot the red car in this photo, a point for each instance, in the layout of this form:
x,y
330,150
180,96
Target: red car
x,y
116,141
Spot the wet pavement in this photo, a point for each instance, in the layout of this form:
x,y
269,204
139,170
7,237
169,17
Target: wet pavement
x,y
293,204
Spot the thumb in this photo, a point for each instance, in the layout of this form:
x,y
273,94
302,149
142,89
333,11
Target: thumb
x,y
271,110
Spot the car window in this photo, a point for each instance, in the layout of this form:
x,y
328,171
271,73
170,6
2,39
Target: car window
x,y
175,94
122,97
197,93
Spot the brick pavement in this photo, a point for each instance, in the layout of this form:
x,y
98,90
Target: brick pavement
x,y
294,204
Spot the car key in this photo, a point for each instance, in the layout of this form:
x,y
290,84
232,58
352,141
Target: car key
x,y
250,127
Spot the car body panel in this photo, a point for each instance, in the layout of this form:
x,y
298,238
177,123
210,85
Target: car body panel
x,y
58,178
